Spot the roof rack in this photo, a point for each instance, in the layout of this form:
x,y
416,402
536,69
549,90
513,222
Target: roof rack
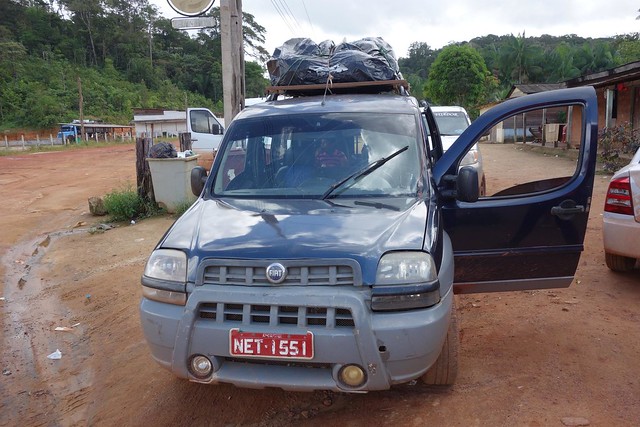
x,y
397,86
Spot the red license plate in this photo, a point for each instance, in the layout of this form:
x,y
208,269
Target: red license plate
x,y
259,344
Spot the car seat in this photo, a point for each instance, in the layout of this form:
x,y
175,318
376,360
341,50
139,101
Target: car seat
x,y
299,165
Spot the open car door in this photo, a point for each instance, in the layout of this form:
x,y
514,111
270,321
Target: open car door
x,y
527,232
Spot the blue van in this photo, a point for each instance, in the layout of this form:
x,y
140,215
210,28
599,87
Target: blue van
x,y
293,272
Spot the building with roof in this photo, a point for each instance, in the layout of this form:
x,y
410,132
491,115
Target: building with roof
x,y
157,122
618,91
519,90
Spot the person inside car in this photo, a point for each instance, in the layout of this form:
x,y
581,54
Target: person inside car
x,y
329,156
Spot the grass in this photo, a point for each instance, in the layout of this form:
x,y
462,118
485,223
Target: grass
x,y
182,208
124,204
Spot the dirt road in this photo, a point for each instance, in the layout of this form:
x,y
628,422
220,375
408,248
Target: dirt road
x,y
545,358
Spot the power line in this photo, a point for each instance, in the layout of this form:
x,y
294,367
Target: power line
x,y
287,9
308,18
275,5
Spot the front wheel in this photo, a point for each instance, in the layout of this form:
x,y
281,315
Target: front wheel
x,y
445,370
619,263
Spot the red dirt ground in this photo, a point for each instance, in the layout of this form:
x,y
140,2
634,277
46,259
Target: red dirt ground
x,y
541,358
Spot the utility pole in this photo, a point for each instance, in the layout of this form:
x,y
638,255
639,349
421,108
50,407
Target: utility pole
x,y
232,58
81,109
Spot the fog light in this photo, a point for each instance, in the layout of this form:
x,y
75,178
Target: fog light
x,y
201,366
352,375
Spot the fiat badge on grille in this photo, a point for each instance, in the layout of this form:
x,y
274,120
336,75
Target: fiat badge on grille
x,y
276,273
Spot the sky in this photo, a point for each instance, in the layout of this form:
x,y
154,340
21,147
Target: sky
x,y
436,23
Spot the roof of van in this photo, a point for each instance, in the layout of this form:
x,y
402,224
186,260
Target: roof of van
x,y
378,103
447,108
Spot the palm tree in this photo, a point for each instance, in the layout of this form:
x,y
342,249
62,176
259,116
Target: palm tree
x,y
520,56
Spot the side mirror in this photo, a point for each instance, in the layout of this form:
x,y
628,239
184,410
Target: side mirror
x,y
467,185
216,129
198,178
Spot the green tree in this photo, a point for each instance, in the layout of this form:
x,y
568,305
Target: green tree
x,y
522,57
86,13
627,48
416,85
459,76
255,82
419,61
593,57
560,64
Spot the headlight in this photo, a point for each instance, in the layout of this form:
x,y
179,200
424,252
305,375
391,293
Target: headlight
x,y
165,277
405,267
167,264
470,158
405,281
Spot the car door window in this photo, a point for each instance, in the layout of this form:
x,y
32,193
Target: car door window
x,y
551,137
202,121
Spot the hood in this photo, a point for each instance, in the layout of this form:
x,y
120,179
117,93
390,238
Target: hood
x,y
258,229
447,141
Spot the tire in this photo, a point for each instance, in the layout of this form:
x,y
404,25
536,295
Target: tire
x,y
619,263
445,370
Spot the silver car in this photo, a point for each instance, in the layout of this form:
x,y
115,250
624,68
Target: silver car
x,y
621,228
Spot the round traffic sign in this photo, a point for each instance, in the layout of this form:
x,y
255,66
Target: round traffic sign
x,y
190,7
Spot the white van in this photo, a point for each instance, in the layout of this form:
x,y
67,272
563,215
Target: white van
x,y
206,134
452,121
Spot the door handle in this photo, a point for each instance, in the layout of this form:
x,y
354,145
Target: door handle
x,y
567,209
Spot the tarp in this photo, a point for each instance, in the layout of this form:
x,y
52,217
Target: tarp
x,y
301,61
162,150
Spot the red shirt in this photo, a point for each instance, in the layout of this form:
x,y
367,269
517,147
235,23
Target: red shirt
x,y
331,159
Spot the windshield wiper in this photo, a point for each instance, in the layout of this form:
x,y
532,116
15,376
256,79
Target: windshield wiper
x,y
359,174
377,205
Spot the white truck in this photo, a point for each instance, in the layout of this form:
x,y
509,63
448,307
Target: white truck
x,y
206,130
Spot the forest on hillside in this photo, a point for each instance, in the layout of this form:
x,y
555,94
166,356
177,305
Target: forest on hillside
x,y
126,55
512,59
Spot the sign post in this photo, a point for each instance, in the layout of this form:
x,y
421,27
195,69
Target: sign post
x,y
232,41
192,22
232,57
191,7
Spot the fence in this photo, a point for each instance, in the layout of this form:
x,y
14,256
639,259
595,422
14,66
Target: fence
x,y
26,143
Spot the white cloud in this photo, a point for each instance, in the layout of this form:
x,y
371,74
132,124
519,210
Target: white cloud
x,y
436,23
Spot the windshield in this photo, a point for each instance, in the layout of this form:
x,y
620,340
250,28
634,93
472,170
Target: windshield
x,y
451,122
320,155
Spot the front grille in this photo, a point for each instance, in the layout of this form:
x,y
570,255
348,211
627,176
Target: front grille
x,y
277,315
341,272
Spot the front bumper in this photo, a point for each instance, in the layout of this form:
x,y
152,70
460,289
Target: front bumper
x,y
393,347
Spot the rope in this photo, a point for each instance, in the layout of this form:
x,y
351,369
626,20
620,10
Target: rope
x,y
326,88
